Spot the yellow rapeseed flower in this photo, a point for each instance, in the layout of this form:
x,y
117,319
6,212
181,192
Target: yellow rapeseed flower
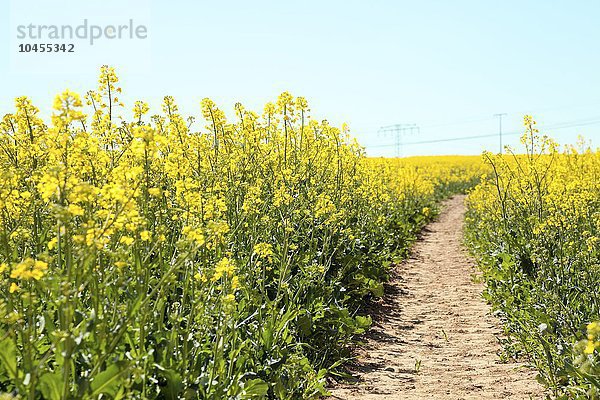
x,y
145,235
127,240
225,267
264,250
29,269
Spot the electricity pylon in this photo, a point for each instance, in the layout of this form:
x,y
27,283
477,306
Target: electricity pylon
x,y
500,128
398,131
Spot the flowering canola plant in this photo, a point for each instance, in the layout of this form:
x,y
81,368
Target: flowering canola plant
x,y
534,224
140,258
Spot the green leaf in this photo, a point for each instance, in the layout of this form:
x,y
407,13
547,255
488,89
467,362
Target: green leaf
x,y
174,384
8,356
305,324
108,381
363,323
377,289
50,384
255,389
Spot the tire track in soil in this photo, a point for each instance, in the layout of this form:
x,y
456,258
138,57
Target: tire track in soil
x,y
433,313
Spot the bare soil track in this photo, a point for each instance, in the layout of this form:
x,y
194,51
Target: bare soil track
x,y
433,336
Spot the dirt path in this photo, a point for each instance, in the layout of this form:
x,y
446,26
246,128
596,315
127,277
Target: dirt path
x,y
433,315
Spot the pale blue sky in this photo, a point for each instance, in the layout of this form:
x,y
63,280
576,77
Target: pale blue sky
x,y
447,66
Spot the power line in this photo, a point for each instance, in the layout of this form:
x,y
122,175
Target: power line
x,y
448,139
481,118
570,124
436,125
560,125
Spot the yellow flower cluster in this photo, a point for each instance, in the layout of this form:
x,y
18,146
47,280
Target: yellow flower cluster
x,y
29,269
593,338
224,268
264,250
